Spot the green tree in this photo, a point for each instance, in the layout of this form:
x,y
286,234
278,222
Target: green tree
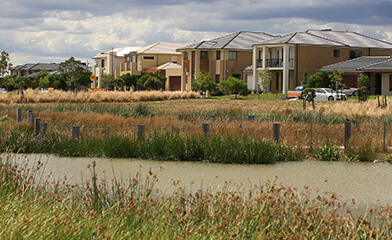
x,y
151,81
309,95
38,77
74,74
129,80
5,64
107,80
236,86
364,80
22,83
203,83
337,79
363,92
265,79
321,79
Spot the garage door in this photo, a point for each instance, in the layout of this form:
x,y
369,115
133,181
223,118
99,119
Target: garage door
x,y
249,81
175,83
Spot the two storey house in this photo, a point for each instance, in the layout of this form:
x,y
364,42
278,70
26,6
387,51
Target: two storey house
x,y
289,56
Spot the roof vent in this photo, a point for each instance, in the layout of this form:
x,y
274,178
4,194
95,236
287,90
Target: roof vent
x,y
326,29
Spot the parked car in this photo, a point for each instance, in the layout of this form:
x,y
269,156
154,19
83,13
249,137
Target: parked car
x,y
327,94
347,90
297,92
3,90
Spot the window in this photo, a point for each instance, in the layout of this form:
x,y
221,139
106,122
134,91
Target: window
x,y
355,54
336,53
148,57
218,55
277,81
174,59
390,83
103,63
217,78
203,55
186,57
238,76
232,55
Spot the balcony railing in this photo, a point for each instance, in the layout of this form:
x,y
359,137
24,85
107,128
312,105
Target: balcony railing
x,y
274,63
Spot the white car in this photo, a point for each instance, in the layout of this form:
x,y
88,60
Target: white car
x,y
348,91
326,94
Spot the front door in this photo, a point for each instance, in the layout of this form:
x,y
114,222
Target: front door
x,y
378,84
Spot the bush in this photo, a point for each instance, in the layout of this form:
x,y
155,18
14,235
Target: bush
x,y
328,153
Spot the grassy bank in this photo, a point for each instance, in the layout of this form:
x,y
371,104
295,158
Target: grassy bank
x,y
135,209
169,146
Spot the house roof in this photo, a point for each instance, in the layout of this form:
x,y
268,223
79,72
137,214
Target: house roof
x,y
239,40
363,64
162,48
118,52
328,37
169,65
37,67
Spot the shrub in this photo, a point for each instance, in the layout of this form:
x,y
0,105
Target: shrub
x,y
329,152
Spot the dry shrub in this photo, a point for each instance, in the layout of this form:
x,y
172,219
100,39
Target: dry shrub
x,y
58,96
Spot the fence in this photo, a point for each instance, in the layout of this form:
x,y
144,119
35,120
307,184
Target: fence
x,y
40,128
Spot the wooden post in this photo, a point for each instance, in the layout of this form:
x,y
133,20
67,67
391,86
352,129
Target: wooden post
x,y
311,136
347,133
251,117
76,132
37,126
44,128
108,131
295,119
385,133
240,129
212,118
140,132
206,128
29,115
276,130
172,128
151,116
18,114
32,118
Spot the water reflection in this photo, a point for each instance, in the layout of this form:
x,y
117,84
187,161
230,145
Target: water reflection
x,y
367,183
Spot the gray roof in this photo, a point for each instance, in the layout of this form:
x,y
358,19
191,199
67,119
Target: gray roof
x,y
329,38
238,41
37,66
363,64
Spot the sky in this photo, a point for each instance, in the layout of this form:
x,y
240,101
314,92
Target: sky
x,y
53,31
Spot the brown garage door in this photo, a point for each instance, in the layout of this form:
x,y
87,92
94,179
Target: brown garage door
x,y
175,83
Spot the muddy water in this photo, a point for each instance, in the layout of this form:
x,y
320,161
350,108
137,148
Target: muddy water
x,y
367,183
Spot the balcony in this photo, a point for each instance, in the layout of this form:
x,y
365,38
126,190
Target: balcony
x,y
274,63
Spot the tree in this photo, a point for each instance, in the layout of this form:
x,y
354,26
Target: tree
x,y
337,79
309,95
203,83
129,80
5,64
22,83
265,79
107,80
236,86
151,81
321,79
75,75
363,92
38,77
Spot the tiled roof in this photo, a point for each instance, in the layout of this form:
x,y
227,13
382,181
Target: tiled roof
x,y
169,65
37,67
162,48
329,38
237,40
380,63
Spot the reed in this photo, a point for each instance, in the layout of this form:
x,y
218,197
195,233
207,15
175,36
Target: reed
x,y
136,209
58,96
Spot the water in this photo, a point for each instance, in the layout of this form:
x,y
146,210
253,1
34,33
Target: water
x,y
367,183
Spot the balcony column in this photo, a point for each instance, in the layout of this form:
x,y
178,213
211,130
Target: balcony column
x,y
286,68
254,66
265,57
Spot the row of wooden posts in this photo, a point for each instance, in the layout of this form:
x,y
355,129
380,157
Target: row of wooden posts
x,y
40,128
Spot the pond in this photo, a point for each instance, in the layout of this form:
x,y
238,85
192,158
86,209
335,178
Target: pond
x,y
367,183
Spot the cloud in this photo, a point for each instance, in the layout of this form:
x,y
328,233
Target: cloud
x,y
47,29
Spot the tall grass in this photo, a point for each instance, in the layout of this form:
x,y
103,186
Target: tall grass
x,y
135,209
58,96
156,145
